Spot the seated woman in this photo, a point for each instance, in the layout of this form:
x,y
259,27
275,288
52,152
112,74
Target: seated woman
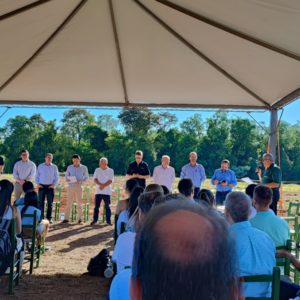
x,y
29,207
132,206
206,196
7,213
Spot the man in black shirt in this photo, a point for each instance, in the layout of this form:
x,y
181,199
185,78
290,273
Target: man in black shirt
x,y
139,169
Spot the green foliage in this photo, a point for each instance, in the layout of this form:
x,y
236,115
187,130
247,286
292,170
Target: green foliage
x,y
239,140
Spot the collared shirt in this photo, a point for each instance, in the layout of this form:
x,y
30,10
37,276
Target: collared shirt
x,y
275,227
256,256
24,170
141,169
81,173
195,173
47,174
164,176
103,176
221,175
272,174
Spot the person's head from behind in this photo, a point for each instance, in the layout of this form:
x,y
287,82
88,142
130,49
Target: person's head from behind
x,y
186,188
133,199
166,190
206,196
193,258
130,185
76,160
28,187
6,189
153,187
24,155
31,199
250,190
262,197
237,207
225,164
138,156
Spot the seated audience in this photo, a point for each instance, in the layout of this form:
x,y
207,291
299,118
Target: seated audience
x,y
191,259
255,249
186,188
153,187
166,190
250,191
123,252
29,207
132,206
266,220
27,187
129,187
207,197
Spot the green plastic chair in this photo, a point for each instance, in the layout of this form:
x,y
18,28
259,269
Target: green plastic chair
x,y
57,197
74,212
34,248
15,267
285,262
274,278
86,199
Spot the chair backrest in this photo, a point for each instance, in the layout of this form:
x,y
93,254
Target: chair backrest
x,y
274,279
30,227
285,262
293,209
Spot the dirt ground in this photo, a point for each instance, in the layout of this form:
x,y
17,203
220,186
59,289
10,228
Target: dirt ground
x,y
61,274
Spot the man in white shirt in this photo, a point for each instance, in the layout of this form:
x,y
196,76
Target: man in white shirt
x,y
103,177
164,174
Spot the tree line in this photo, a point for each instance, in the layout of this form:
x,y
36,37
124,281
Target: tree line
x,y
240,140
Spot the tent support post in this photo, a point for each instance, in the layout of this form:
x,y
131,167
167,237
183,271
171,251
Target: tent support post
x,y
273,132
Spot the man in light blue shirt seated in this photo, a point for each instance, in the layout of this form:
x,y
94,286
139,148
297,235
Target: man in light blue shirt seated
x,y
224,179
266,220
255,249
195,172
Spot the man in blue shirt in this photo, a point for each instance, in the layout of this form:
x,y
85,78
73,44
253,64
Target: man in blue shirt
x,y
195,172
254,248
47,178
224,179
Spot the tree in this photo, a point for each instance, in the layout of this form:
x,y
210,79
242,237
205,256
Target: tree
x,y
107,123
193,126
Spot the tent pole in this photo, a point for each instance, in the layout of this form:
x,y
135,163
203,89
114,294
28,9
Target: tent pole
x,y
273,132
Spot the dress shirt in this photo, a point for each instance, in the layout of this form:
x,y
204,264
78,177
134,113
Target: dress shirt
x,y
221,175
81,173
256,256
164,176
24,170
47,174
196,173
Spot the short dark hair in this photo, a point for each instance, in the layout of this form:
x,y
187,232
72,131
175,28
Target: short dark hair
x,y
28,186
147,200
250,189
206,264
166,190
76,156
185,187
24,151
206,196
131,184
153,187
139,152
1,161
263,195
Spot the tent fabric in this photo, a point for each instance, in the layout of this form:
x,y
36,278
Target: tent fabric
x,y
147,52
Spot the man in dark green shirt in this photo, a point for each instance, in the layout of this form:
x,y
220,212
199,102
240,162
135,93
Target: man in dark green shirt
x,y
271,177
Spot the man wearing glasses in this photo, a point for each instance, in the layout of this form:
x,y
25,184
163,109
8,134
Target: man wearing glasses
x,y
24,170
271,177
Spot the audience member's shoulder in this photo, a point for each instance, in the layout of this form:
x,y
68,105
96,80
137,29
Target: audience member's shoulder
x,y
263,236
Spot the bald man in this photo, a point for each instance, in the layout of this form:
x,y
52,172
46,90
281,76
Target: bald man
x,y
191,258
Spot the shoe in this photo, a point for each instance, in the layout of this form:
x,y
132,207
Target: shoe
x,y
93,223
51,222
65,221
80,222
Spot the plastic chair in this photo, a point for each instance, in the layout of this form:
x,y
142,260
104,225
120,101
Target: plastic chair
x,y
285,262
56,203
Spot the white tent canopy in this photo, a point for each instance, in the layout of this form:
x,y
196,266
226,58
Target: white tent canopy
x,y
180,53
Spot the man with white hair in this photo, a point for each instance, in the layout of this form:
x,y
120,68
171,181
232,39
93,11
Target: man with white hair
x,y
195,172
271,177
164,174
254,248
103,177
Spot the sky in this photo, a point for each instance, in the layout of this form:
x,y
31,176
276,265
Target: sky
x,y
291,113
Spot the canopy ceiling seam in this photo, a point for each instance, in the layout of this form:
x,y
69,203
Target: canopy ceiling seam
x,y
229,30
46,43
23,9
200,54
121,104
118,49
287,99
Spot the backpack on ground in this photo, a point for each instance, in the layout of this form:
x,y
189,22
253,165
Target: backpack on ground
x,y
99,263
5,247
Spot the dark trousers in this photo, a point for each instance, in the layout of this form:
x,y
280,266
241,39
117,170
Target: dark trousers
x,y
276,197
220,197
44,192
98,199
196,191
